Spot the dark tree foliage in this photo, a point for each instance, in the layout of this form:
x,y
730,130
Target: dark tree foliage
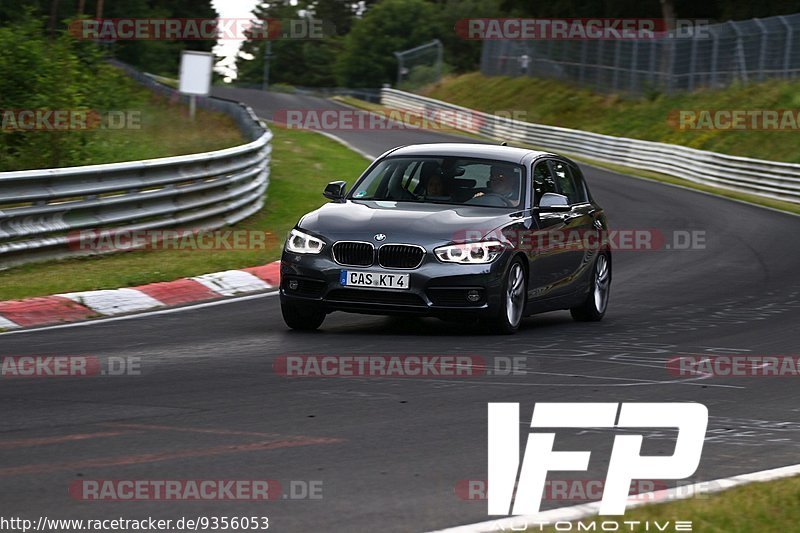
x,y
160,57
367,59
298,61
60,73
361,36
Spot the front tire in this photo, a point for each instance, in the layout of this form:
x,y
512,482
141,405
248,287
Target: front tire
x,y
302,317
513,300
594,308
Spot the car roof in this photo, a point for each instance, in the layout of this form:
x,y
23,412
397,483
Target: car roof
x,y
509,154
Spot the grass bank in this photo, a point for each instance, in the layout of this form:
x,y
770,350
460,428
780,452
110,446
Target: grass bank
x,y
62,104
149,127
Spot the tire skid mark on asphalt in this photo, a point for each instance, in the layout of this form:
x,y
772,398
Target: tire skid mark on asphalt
x,y
105,462
58,439
276,441
730,431
638,361
695,380
158,427
479,382
639,381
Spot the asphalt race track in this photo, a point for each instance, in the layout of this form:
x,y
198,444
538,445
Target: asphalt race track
x,y
390,452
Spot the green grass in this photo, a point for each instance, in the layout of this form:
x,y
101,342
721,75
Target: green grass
x,y
157,127
757,507
302,163
560,104
166,130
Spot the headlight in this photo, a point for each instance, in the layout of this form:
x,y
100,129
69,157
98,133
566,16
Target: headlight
x,y
302,243
470,253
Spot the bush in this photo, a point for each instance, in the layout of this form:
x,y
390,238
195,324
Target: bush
x,y
58,74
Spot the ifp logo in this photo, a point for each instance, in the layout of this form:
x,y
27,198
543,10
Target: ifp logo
x,y
625,465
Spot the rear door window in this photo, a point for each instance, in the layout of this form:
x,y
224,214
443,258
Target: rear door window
x,y
543,181
565,182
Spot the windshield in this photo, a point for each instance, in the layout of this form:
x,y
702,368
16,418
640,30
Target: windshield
x,y
444,180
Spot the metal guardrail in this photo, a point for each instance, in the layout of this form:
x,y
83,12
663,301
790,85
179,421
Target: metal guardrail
x,y
43,211
771,179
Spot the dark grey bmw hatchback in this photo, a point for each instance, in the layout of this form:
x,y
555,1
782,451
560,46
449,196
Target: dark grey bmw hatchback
x,y
451,230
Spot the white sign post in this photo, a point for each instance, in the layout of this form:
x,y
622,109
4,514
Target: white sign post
x,y
195,76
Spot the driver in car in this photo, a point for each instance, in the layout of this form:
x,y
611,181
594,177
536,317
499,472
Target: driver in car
x,y
501,184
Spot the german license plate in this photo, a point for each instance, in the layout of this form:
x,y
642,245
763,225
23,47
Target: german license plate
x,y
380,280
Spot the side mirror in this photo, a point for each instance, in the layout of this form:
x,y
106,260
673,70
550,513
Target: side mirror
x,y
335,190
551,201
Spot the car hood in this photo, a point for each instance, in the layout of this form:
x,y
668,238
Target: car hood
x,y
404,222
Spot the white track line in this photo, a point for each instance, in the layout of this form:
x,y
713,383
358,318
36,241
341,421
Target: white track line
x,y
232,282
144,314
579,512
8,324
346,144
333,137
596,166
114,301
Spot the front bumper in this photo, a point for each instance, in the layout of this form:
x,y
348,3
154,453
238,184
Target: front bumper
x,y
435,288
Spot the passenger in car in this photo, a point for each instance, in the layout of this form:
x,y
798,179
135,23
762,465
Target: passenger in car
x,y
436,186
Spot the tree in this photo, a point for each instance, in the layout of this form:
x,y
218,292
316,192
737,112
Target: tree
x,y
160,57
460,54
367,58
668,13
157,56
40,73
296,61
283,60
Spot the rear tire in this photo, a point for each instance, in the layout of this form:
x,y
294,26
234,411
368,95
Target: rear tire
x,y
302,317
513,300
594,308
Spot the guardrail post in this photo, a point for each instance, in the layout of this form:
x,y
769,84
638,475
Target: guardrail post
x,y
651,73
713,67
671,64
582,68
692,63
741,60
787,47
600,47
633,70
762,54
